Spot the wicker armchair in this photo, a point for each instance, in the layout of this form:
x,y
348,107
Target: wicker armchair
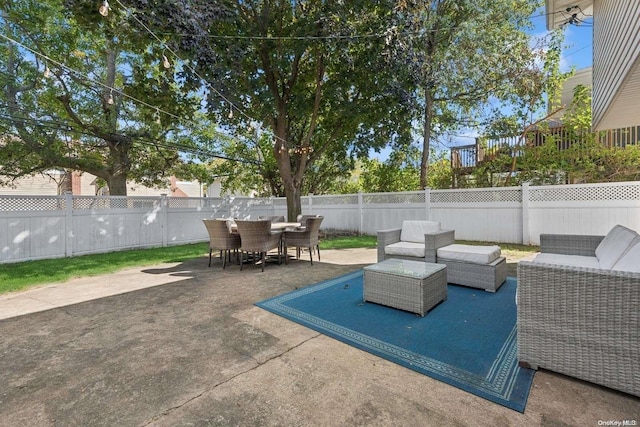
x,y
577,320
302,219
304,238
257,237
221,238
429,242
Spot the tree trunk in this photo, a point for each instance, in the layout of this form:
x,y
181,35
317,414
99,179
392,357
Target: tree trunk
x,y
294,202
426,137
117,184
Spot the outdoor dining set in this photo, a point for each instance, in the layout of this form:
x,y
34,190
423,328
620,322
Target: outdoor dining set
x,y
253,239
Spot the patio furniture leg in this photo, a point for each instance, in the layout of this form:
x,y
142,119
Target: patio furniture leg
x,y
224,258
264,259
210,250
318,249
311,255
241,259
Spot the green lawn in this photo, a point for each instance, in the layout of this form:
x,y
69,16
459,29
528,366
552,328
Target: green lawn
x,y
19,276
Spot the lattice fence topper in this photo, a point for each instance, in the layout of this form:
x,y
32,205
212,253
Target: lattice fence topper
x,y
32,203
343,199
195,202
483,196
393,198
114,202
586,193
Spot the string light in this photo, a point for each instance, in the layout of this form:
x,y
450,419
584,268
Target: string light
x,y
47,71
110,98
97,83
230,111
165,62
104,8
156,115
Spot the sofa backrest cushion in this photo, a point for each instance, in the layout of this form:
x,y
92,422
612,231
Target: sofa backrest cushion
x,y
414,231
630,261
614,245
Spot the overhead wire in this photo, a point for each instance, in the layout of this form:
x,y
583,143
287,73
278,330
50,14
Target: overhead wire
x,y
194,71
105,86
60,126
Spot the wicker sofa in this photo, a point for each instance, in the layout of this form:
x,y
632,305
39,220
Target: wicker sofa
x,y
579,308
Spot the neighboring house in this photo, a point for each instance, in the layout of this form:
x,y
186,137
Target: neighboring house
x,y
616,56
51,183
580,77
56,182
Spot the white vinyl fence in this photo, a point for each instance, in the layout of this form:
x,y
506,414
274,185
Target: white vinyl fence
x,y
51,226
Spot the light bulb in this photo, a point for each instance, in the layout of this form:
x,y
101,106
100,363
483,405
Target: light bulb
x,y
165,62
231,113
47,71
110,99
157,117
104,8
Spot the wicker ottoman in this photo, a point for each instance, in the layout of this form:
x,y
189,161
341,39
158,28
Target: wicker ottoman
x,y
413,286
479,267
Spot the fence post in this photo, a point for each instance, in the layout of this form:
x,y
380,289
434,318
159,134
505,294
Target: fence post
x,y
427,203
68,204
164,215
360,212
526,238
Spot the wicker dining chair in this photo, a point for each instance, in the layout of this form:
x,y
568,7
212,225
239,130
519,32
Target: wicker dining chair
x,y
221,238
304,238
257,237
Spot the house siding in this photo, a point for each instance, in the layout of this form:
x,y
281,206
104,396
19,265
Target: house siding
x,y
616,64
581,77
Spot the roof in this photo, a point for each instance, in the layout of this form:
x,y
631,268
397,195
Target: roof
x,y
560,12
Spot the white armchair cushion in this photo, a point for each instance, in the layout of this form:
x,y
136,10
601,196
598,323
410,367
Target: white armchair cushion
x,y
414,231
614,245
411,249
568,260
630,261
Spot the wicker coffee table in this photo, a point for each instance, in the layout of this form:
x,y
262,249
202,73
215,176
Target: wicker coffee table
x,y
413,286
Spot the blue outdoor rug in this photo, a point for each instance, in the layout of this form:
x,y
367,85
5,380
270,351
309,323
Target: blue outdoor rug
x,y
468,341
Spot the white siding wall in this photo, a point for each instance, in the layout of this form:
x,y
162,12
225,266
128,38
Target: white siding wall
x,y
581,77
37,185
616,64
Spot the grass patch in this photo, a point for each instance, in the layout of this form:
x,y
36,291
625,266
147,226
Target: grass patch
x,y
22,275
347,242
19,276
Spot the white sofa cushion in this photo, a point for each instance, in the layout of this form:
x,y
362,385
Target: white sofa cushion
x,y
568,260
469,253
630,261
405,249
614,245
414,231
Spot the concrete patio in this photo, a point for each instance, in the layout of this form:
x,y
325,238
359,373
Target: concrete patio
x,y
183,344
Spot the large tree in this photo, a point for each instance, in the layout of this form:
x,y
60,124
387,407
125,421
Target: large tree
x,y
81,91
458,55
309,72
